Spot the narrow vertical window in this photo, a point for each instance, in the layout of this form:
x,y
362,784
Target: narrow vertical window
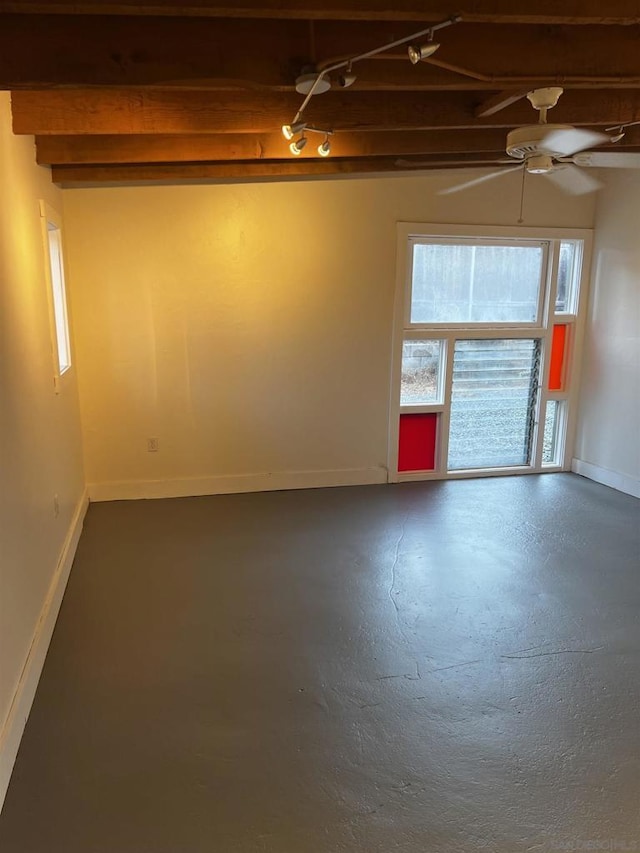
x,y
552,433
59,315
569,265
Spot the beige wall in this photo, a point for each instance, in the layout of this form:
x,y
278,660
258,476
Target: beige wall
x,y
608,446
40,444
248,327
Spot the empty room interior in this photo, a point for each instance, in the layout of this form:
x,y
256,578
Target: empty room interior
x,y
320,427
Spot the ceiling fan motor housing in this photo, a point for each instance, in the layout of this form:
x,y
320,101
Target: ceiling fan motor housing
x,y
524,142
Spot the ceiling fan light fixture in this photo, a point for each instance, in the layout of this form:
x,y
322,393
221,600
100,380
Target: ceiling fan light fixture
x,y
539,164
417,52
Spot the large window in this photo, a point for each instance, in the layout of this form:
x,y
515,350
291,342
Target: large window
x,y
474,281
488,327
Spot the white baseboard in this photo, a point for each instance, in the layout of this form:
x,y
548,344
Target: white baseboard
x,y
232,483
614,479
13,727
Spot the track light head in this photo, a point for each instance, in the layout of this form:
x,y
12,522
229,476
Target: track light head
x,y
297,146
290,130
324,149
416,52
346,80
619,134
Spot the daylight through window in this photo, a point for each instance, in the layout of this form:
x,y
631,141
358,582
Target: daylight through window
x,y
486,346
60,321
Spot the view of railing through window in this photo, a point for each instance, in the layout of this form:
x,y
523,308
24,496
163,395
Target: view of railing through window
x,y
492,399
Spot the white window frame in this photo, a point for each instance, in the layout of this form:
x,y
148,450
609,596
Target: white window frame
x,y
408,233
422,335
51,222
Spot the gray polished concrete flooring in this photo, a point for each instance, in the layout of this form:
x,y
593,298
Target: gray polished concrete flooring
x,y
431,667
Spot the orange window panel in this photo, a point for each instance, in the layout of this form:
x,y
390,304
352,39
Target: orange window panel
x,y
558,347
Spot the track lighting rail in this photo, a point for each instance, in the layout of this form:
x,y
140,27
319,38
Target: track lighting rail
x,y
416,53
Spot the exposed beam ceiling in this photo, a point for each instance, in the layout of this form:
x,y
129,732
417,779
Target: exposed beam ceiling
x,y
187,52
484,11
130,91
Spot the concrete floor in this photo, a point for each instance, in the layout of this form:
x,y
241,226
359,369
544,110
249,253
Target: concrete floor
x,y
441,667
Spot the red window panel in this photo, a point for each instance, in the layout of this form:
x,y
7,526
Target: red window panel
x,y
417,443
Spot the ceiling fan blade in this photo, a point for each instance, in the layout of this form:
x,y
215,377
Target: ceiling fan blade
x,y
566,142
573,180
467,184
608,159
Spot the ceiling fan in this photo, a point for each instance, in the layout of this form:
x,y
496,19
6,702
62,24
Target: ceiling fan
x,y
554,150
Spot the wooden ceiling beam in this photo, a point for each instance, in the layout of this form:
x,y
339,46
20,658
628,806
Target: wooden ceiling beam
x,y
119,51
401,81
574,12
49,51
250,171
83,150
74,175
499,102
77,150
109,111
